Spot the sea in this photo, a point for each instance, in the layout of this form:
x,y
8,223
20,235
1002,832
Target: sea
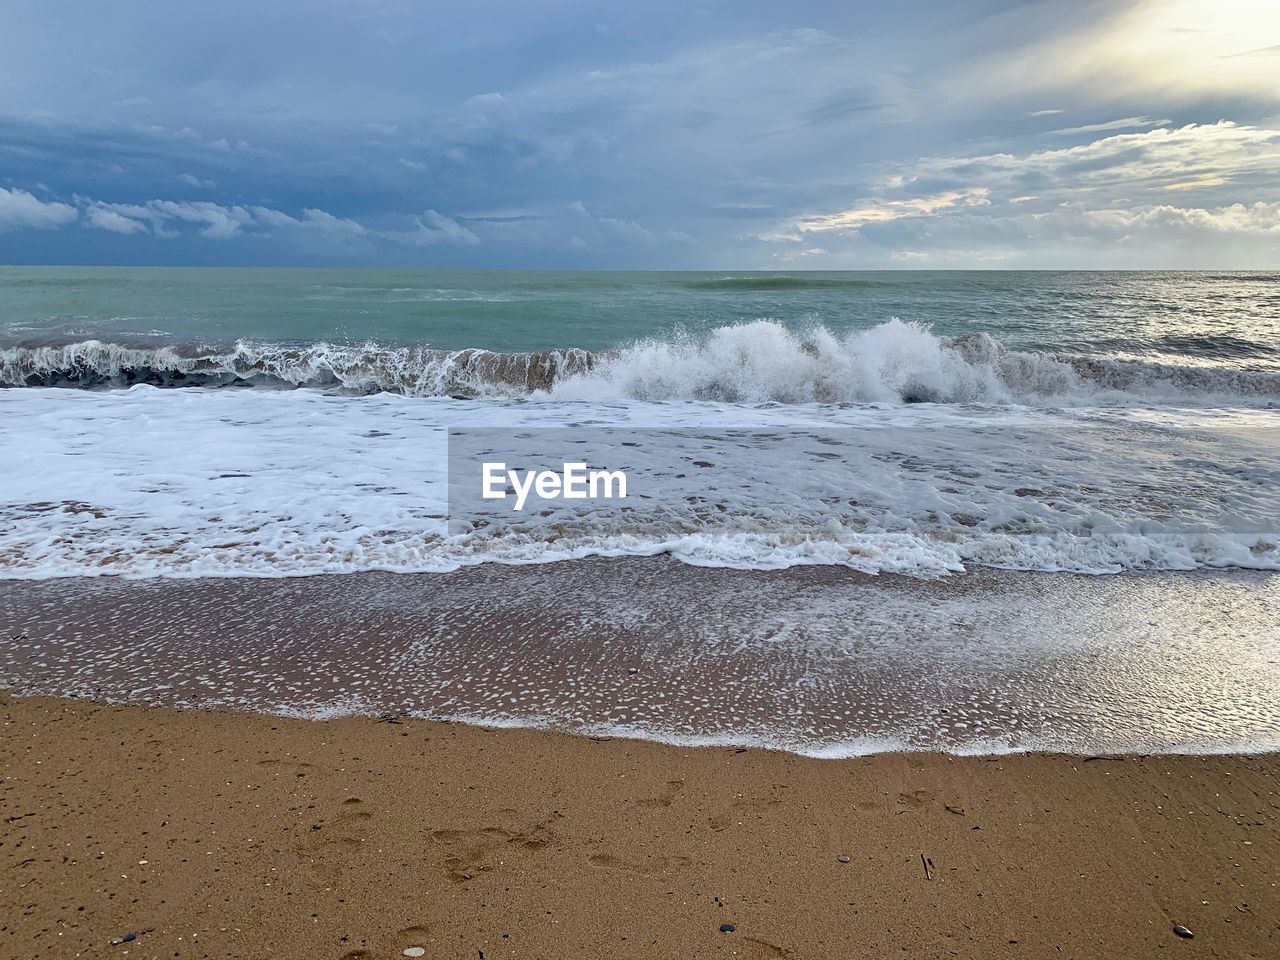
x,y
932,485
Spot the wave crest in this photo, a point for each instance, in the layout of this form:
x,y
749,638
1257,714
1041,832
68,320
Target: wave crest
x,y
364,369
897,361
758,362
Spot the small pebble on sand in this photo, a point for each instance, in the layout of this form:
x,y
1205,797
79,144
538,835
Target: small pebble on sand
x,y
1182,931
727,928
842,858
414,951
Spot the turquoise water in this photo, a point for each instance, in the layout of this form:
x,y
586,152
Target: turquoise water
x,y
227,423
1228,319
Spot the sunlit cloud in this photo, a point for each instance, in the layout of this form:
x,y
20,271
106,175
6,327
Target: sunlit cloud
x,y
1124,123
1201,183
1272,51
1170,49
883,211
1107,198
1131,162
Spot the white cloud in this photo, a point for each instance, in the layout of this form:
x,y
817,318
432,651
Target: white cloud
x,y
1102,203
331,228
216,221
881,211
1131,164
1257,219
19,210
1200,183
191,180
1124,123
314,228
104,218
432,229
615,229
317,229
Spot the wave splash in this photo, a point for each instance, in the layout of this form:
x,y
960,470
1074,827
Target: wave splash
x,y
414,371
895,362
758,362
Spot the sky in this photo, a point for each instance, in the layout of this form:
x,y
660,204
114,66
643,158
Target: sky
x,y
655,135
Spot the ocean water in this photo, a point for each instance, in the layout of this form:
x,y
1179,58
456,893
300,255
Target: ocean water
x,y
962,511
289,422
816,659
1218,319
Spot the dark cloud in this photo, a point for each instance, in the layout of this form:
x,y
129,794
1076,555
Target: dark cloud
x,y
504,133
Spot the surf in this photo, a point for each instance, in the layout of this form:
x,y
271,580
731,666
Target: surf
x,y
761,361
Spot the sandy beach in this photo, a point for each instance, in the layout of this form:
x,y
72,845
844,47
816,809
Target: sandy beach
x,y
731,481
221,834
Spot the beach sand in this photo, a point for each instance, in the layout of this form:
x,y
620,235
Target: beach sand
x,y
222,834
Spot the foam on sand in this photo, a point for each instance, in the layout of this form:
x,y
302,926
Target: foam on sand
x,y
149,482
818,661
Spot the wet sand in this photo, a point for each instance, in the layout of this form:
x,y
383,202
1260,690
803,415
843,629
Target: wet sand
x,y
226,835
819,660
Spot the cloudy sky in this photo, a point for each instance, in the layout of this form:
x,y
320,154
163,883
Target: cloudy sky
x,y
566,133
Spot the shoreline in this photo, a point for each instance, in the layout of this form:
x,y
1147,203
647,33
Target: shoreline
x,y
820,661
224,834
859,750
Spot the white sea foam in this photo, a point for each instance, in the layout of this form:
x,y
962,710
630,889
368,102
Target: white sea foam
x,y
765,362
758,362
896,361
368,368
280,484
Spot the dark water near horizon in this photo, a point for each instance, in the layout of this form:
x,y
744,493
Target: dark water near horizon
x,y
1209,317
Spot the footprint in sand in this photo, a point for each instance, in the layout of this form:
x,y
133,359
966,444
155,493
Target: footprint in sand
x,y
644,866
759,949
327,842
915,799
665,798
470,853
287,766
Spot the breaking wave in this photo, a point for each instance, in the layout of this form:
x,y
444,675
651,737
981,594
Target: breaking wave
x,y
895,362
414,371
758,362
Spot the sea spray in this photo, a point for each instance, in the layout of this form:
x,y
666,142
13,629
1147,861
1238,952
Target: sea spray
x,y
364,369
758,362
